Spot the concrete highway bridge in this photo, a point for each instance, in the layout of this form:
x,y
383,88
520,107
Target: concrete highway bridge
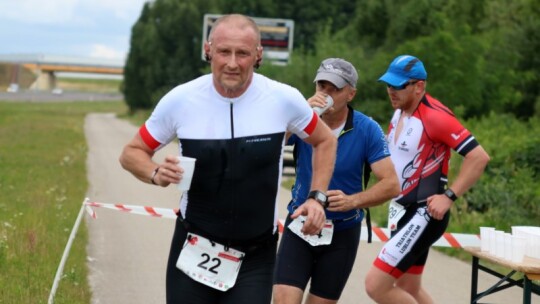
x,y
46,67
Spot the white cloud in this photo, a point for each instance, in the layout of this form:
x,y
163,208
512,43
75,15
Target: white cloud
x,y
67,11
105,52
97,28
120,9
38,12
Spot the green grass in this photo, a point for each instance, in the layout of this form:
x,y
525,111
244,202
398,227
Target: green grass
x,y
89,85
43,183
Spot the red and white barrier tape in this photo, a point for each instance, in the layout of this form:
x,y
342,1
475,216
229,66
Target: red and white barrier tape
x,y
454,240
141,210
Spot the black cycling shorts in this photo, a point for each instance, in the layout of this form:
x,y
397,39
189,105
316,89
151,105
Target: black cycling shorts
x,y
253,285
408,248
328,266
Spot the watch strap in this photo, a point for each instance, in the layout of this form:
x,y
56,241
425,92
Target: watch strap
x,y
450,194
320,197
154,175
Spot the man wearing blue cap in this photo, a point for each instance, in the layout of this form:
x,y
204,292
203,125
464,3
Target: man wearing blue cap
x,y
327,259
421,135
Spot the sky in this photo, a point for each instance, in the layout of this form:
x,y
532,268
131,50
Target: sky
x,y
98,29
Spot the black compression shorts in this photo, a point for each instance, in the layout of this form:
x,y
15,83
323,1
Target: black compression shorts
x,y
408,249
328,266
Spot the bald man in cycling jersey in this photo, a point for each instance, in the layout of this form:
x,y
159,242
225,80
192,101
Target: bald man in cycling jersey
x,y
421,135
233,121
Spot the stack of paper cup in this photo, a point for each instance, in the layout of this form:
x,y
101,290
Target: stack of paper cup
x,y
535,247
499,244
492,237
523,241
485,237
532,234
518,248
507,246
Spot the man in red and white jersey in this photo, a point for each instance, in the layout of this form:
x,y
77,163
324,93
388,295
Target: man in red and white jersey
x,y
421,135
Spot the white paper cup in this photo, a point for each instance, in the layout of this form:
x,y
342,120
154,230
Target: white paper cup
x,y
499,244
507,246
188,164
492,241
485,237
533,246
532,234
518,248
329,103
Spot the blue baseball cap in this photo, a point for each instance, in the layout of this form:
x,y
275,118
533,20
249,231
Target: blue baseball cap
x,y
403,69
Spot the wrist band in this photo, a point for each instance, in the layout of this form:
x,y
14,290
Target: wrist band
x,y
154,175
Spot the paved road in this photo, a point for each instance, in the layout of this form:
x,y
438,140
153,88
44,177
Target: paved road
x,y
127,253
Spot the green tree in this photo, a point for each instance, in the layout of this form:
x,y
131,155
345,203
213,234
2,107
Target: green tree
x,y
312,16
165,50
135,92
480,57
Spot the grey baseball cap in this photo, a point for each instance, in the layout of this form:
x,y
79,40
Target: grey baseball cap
x,y
337,71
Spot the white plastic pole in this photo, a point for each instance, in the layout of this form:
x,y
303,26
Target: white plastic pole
x,y
60,269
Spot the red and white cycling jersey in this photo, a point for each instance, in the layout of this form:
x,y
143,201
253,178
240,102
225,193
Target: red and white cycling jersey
x,y
421,153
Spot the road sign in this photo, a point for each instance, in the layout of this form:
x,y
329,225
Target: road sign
x,y
276,37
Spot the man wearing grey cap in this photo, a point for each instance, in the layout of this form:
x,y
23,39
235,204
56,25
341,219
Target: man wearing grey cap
x,y
327,259
421,135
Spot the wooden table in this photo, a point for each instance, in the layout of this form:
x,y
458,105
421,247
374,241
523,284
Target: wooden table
x,y
529,267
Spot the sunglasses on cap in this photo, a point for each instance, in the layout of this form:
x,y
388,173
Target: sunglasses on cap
x,y
401,87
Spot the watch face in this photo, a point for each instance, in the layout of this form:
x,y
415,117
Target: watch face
x,y
321,197
450,194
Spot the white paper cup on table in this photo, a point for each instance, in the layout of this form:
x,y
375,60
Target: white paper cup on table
x,y
485,238
492,241
188,164
533,246
519,244
507,246
499,244
532,234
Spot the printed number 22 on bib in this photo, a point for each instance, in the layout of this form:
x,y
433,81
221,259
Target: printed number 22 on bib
x,y
209,263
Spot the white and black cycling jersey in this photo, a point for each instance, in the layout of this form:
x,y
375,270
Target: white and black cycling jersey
x,y
238,144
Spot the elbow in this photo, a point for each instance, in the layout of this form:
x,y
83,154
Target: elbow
x,y
395,189
122,159
485,159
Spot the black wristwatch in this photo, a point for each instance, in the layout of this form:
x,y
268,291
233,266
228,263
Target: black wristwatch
x,y
451,195
319,197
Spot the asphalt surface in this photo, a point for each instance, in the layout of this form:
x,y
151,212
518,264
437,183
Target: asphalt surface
x,y
127,254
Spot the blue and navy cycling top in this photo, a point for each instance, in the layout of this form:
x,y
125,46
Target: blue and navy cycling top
x,y
361,142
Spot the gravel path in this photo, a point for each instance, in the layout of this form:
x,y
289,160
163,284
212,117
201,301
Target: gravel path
x,y
127,253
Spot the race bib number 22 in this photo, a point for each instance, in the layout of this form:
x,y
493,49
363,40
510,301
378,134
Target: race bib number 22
x,y
209,263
